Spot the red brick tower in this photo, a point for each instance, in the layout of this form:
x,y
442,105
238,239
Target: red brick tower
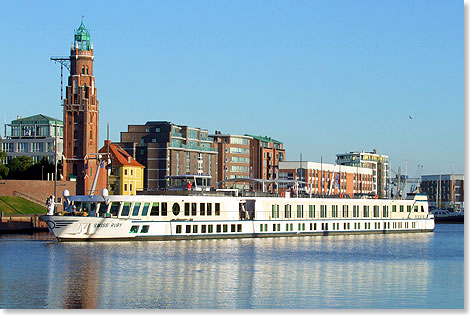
x,y
81,115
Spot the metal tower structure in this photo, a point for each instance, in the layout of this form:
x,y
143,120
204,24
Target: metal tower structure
x,y
64,62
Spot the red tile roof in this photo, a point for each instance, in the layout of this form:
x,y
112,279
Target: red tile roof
x,y
119,156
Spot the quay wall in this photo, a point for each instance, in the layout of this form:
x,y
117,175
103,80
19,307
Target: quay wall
x,y
21,224
36,191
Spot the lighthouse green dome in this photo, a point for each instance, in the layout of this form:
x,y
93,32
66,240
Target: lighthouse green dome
x,y
82,37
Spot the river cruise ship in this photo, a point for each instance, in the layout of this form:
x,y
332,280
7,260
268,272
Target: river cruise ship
x,y
223,214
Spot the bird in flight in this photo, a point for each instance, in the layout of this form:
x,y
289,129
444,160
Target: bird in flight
x,y
410,117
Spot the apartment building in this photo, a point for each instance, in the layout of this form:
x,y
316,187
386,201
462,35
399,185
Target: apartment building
x,y
167,149
326,179
35,136
234,158
445,190
376,162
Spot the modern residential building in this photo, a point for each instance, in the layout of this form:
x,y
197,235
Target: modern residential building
x,y
376,162
81,115
266,153
167,149
36,136
326,179
444,191
126,175
234,158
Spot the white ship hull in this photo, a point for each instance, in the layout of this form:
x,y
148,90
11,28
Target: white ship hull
x,y
197,217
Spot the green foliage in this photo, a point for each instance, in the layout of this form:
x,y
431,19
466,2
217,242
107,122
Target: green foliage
x,y
4,170
18,205
23,167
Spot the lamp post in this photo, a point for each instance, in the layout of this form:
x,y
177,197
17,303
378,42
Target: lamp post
x,y
42,172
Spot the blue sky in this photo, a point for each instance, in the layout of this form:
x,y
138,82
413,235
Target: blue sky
x,y
324,77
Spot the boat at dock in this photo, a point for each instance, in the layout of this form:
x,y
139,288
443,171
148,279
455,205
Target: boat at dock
x,y
225,214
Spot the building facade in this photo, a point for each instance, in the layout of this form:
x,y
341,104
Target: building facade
x,y
266,154
377,163
326,179
81,115
36,136
167,149
234,157
125,175
444,191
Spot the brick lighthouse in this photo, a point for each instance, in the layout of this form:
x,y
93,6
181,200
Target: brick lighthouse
x,y
81,117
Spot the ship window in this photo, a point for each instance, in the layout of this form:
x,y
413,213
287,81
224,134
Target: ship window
x,y
232,228
394,208
217,208
345,211
300,211
385,211
155,209
209,208
402,208
135,211
125,209
210,228
194,228
178,229
219,228
202,208
376,211
225,228
287,211
186,208
145,229
164,209
416,209
203,228
134,229
239,227
115,208
311,211
365,211
145,209
422,209
193,208
175,209
408,208
188,228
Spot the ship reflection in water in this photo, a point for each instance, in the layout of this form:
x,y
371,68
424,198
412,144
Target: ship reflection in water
x,y
361,271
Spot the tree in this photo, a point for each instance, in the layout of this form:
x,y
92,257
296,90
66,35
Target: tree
x,y
19,166
3,168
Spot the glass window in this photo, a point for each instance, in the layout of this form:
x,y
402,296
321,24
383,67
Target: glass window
x,y
175,209
402,208
125,209
186,208
194,228
225,228
115,208
164,209
202,208
239,227
287,211
209,208
145,209
134,229
188,228
145,229
408,208
394,208
155,209
210,228
193,208
178,229
203,228
219,228
217,208
300,211
135,210
232,228
311,211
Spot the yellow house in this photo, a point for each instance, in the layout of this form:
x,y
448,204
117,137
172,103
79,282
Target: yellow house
x,y
127,175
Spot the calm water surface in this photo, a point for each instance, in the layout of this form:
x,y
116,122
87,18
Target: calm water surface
x,y
424,270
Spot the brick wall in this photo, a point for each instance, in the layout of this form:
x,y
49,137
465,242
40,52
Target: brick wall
x,y
35,190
